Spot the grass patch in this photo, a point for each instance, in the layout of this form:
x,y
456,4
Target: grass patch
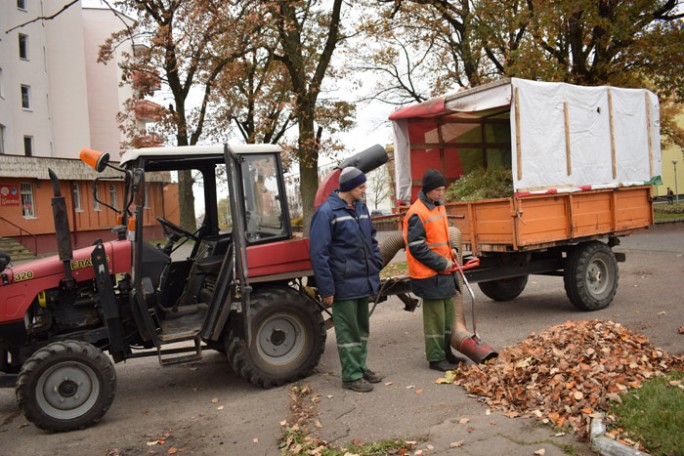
x,y
300,442
658,215
297,439
653,415
668,211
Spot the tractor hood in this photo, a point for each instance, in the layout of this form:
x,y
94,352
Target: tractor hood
x,y
20,284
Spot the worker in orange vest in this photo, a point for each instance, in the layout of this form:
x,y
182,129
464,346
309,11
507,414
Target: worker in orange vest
x,y
430,262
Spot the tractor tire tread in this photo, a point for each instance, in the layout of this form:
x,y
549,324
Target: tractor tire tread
x,y
575,271
238,353
30,372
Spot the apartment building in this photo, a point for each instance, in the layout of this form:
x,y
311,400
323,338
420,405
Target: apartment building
x,y
55,99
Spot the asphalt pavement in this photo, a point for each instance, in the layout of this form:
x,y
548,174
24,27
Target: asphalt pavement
x,y
205,409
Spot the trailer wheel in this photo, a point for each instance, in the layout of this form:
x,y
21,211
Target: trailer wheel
x,y
503,289
65,386
288,339
591,276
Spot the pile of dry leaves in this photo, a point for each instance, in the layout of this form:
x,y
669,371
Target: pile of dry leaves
x,y
567,374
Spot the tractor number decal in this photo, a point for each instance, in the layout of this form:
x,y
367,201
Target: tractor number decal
x,y
25,275
85,263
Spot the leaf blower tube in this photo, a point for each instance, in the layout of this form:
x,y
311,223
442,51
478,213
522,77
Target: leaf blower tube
x,y
468,343
367,160
463,340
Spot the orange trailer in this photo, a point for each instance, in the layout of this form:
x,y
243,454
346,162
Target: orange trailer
x,y
582,160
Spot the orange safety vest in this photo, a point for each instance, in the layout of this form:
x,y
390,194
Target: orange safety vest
x,y
437,238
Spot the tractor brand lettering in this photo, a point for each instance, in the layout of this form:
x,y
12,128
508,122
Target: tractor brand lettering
x,y
25,275
85,263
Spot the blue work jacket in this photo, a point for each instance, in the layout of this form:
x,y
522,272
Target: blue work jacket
x,y
344,252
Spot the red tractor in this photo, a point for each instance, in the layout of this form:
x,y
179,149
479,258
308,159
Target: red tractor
x,y
246,291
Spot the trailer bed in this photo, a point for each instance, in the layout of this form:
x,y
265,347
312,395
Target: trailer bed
x,y
524,223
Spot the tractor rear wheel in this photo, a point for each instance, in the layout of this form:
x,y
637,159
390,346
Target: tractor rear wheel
x,y
65,386
287,338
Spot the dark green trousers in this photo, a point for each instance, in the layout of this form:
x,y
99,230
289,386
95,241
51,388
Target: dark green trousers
x,y
350,317
438,319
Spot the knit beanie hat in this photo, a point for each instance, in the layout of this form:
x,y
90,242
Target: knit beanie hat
x,y
433,179
350,178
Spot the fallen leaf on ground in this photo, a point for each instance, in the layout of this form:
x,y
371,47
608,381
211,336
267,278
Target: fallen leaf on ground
x,y
464,421
540,452
566,374
456,444
214,400
255,440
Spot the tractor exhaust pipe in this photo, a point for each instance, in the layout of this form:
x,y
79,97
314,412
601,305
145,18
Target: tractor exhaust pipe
x,y
60,216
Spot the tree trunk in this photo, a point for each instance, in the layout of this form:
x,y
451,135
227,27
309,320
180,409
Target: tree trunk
x,y
308,164
186,199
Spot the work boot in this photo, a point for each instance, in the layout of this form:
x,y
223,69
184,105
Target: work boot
x,y
372,377
450,357
360,386
442,365
453,359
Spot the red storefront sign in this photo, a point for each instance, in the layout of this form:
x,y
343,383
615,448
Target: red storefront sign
x,y
9,195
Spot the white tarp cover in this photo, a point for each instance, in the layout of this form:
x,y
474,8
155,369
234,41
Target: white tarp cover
x,y
543,138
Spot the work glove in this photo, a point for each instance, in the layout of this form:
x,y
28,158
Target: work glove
x,y
454,252
450,265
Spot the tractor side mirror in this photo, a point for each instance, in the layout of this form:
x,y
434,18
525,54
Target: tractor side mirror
x,y
95,159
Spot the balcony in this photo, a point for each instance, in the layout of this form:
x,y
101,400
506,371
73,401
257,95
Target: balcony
x,y
147,111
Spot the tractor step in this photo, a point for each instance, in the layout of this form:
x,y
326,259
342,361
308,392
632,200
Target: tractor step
x,y
8,380
168,358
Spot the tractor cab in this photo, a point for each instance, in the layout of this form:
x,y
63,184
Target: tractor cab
x,y
240,198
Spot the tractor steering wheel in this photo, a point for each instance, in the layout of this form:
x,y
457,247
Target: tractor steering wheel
x,y
171,228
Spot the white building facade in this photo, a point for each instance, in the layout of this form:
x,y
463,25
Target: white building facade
x,y
55,98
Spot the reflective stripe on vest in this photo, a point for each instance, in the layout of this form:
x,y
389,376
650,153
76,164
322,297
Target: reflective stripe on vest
x,y
436,235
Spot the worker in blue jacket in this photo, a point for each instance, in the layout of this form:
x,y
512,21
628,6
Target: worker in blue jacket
x,y
346,262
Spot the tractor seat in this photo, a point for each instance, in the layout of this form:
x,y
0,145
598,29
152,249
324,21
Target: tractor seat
x,y
210,265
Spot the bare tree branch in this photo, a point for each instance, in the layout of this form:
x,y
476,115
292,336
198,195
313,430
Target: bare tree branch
x,y
44,18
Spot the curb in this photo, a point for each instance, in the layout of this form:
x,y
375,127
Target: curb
x,y
672,220
606,446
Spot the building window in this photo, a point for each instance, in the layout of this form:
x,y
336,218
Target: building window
x,y
25,97
27,208
2,139
96,204
113,196
76,194
23,46
21,4
28,146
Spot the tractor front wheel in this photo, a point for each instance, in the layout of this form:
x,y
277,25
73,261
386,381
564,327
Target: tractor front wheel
x,y
287,338
65,386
